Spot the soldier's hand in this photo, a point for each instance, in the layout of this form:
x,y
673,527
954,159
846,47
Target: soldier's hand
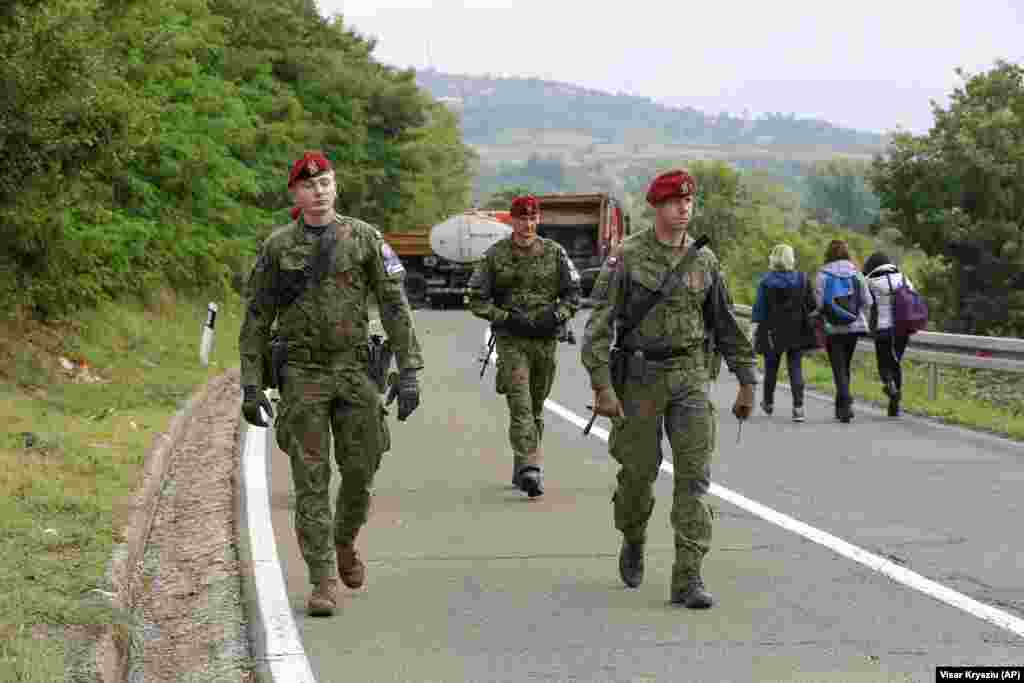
x,y
407,391
547,324
606,403
252,401
744,405
499,322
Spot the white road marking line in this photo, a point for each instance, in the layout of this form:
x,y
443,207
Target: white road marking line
x,y
874,562
284,655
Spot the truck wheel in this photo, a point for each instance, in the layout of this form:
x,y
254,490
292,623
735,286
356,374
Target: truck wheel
x,y
416,289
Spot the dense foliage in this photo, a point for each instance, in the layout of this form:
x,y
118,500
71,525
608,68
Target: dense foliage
x,y
145,142
958,193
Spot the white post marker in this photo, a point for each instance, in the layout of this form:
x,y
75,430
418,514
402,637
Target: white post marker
x,y
206,343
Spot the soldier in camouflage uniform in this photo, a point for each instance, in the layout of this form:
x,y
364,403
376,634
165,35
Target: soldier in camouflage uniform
x,y
313,277
664,386
528,288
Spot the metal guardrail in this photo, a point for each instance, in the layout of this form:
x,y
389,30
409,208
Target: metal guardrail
x,y
962,350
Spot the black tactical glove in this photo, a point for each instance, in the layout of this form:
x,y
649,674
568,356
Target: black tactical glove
x,y
518,324
547,324
252,400
407,391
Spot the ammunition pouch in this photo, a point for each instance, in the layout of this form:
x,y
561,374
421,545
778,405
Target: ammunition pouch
x,y
379,361
274,357
620,370
713,358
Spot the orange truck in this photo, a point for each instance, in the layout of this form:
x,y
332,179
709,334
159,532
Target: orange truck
x,y
439,260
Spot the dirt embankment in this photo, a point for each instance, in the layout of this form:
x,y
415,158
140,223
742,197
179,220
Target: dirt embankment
x,y
189,623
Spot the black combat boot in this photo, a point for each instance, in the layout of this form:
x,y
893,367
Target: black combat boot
x,y
631,563
692,594
530,481
517,464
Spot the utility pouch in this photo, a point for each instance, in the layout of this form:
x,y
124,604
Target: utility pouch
x,y
618,365
378,362
637,366
278,358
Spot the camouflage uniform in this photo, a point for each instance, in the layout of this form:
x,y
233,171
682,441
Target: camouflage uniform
x,y
325,386
670,394
510,278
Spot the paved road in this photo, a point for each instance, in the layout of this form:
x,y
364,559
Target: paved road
x,y
470,581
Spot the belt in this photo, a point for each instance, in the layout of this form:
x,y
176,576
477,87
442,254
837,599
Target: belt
x,y
667,354
323,356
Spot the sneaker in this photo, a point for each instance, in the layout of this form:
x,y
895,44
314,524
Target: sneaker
x,y
798,413
767,408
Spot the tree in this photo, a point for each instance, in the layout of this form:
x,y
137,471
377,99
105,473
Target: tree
x,y
144,143
957,193
838,193
502,199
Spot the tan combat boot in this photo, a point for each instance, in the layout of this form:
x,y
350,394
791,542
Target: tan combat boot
x,y
350,567
324,599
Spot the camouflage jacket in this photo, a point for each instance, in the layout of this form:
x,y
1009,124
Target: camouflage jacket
x,y
332,314
511,279
636,270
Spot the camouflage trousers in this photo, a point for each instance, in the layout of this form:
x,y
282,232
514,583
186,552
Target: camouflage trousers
x,y
318,401
526,371
674,401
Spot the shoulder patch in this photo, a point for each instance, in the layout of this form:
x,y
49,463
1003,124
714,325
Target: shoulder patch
x,y
392,264
574,274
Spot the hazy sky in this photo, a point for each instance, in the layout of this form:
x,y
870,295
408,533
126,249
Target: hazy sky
x,y
870,64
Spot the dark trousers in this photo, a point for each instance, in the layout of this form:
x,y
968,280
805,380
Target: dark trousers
x,y
840,356
794,365
889,348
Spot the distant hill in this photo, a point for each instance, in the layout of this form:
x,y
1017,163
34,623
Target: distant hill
x,y
495,108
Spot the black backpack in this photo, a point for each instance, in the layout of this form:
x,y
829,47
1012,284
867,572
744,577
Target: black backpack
x,y
787,318
786,304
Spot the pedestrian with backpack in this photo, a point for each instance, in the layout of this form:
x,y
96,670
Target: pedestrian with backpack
x,y
884,281
844,303
781,310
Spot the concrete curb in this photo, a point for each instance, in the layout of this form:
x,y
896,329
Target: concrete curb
x,y
104,657
277,650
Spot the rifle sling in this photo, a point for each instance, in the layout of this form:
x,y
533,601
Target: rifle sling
x,y
672,280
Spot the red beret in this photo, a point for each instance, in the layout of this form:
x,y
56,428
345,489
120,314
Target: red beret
x,y
312,163
675,183
525,206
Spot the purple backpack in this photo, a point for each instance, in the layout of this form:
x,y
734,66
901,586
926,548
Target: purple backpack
x,y
909,310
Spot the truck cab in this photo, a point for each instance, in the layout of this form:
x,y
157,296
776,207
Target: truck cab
x,y
588,226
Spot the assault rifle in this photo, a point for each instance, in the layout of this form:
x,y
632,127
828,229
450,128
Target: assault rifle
x,y
490,352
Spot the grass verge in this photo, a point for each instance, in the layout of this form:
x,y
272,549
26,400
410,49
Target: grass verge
x,y
82,401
